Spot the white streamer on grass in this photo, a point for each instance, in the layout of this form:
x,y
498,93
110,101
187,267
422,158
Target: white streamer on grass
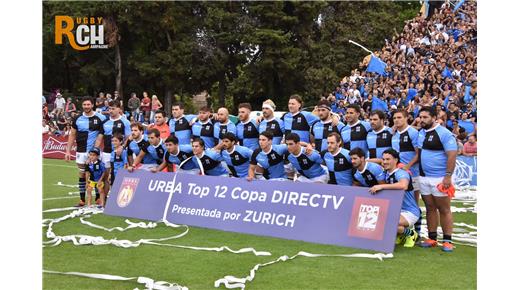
x,y
66,185
231,282
149,283
56,198
465,235
80,240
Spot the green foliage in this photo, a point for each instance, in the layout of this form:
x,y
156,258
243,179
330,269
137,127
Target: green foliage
x,y
239,51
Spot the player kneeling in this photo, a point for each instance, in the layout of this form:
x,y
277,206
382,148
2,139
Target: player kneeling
x,y
397,178
308,164
96,176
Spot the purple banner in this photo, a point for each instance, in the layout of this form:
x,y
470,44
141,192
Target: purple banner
x,y
319,213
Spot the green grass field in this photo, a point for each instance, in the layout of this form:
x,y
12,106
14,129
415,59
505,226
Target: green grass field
x,y
410,268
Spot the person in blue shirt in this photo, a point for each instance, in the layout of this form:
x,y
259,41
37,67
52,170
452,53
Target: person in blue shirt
x,y
224,125
155,149
203,128
467,124
355,132
307,165
338,161
397,178
180,124
86,131
270,123
247,129
320,130
405,141
437,156
411,92
115,124
297,121
367,174
236,157
96,176
179,154
138,143
118,157
379,138
269,158
208,161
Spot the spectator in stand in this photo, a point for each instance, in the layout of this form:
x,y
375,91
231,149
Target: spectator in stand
x,y
59,104
100,102
156,106
69,107
367,104
146,107
50,100
62,122
104,109
66,132
133,106
46,129
470,148
118,98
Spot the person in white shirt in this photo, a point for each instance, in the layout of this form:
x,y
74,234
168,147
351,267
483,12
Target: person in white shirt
x,y
59,104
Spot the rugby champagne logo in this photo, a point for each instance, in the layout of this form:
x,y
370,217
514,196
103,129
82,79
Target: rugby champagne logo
x,y
127,191
82,32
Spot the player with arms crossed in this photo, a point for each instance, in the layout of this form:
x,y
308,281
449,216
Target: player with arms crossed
x,y
87,132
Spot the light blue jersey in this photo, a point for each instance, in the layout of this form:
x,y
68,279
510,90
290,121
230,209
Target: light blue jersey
x,y
238,160
433,145
378,142
370,175
307,165
409,203
355,136
405,142
272,162
299,123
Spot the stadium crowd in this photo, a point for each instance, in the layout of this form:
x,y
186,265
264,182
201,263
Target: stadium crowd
x,y
397,129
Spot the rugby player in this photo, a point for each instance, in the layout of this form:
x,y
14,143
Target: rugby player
x,y
203,128
208,161
247,129
437,157
269,157
367,174
338,161
321,130
236,157
224,125
307,165
177,154
405,141
355,132
87,132
270,123
180,124
155,149
298,121
397,178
